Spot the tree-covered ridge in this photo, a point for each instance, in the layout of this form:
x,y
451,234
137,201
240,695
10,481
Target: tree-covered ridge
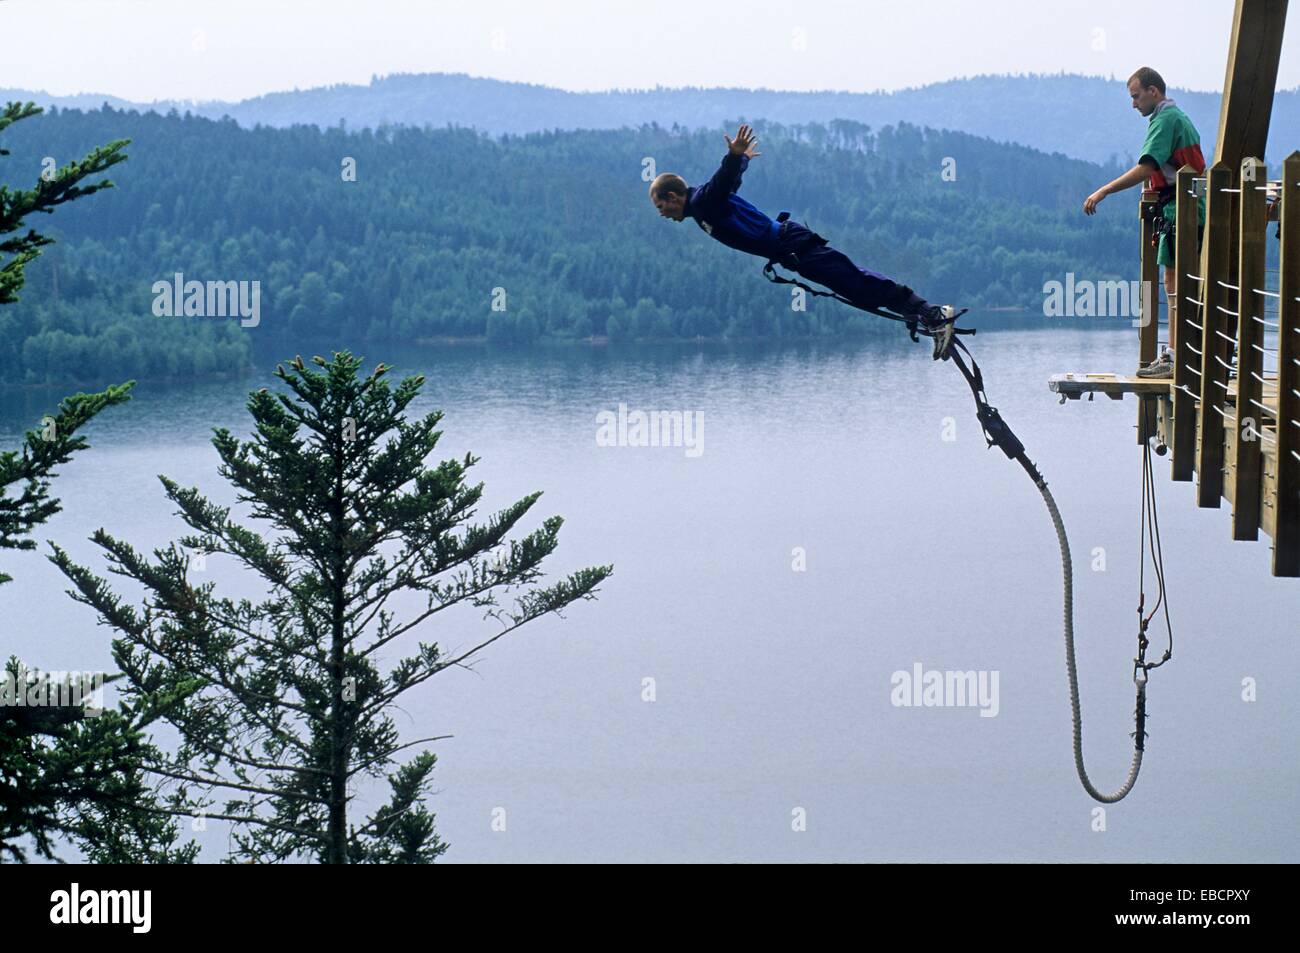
x,y
1087,117
438,219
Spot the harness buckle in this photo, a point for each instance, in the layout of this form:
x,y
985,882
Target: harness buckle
x,y
996,431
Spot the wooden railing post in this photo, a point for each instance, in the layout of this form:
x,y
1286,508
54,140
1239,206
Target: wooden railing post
x,y
1216,267
1188,320
1286,499
1250,359
1149,317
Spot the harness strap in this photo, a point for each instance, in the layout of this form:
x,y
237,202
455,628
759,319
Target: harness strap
x,y
769,272
1159,224
913,327
996,431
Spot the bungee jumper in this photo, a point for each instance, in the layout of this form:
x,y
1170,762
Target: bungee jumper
x,y
725,216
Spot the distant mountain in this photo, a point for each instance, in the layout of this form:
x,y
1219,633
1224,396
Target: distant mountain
x,y
84,101
1085,117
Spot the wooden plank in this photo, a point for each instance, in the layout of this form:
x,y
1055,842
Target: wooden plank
x,y
1188,314
1164,420
1149,322
1115,386
1253,220
1250,80
1075,385
1249,85
1229,468
1214,349
1268,473
1286,498
1268,493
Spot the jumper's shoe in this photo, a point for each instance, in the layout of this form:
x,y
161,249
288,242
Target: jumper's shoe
x,y
940,321
1162,368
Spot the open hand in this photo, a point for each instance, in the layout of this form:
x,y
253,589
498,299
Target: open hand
x,y
1091,202
744,143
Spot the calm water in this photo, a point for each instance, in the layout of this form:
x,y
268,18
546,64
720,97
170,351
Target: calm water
x,y
772,686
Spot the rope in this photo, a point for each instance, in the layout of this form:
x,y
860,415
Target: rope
x,y
997,433
1072,672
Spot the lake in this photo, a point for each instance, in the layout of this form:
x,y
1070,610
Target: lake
x,y
731,694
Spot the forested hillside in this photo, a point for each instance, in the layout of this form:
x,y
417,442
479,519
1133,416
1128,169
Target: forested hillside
x,y
437,220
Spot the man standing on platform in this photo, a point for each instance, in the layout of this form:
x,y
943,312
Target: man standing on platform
x,y
1171,143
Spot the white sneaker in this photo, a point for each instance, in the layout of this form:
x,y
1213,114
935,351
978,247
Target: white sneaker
x,y
1161,368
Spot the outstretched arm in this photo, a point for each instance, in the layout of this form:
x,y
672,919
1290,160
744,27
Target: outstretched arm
x,y
727,179
1126,181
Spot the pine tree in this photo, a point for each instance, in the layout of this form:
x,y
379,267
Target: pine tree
x,y
62,186
31,469
63,773
293,712
58,437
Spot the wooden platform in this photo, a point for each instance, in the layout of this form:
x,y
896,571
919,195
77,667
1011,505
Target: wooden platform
x,y
1114,386
1158,395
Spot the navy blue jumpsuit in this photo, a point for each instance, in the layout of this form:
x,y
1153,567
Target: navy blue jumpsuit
x,y
724,215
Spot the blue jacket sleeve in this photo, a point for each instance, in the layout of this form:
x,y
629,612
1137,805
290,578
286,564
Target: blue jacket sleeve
x,y
724,182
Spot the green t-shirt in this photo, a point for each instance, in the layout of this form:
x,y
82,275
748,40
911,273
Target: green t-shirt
x,y
1173,142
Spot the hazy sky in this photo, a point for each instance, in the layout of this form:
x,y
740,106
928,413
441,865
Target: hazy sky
x,y
233,49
